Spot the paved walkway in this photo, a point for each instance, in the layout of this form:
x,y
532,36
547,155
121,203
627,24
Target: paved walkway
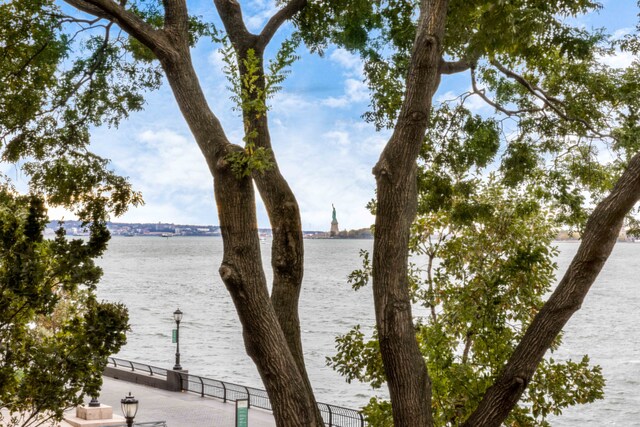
x,y
178,409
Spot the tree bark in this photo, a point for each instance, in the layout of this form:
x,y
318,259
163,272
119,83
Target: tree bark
x,y
600,235
287,249
241,268
405,369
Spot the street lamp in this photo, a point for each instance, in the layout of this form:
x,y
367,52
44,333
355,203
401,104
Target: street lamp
x,y
177,316
129,408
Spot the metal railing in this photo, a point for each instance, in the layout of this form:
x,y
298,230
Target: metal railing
x,y
145,424
333,416
135,366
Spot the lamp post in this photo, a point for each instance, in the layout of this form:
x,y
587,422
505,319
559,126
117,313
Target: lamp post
x,y
94,402
129,407
177,316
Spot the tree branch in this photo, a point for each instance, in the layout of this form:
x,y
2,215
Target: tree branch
x,y
284,14
176,17
128,21
72,19
90,8
552,102
453,67
498,107
231,16
601,233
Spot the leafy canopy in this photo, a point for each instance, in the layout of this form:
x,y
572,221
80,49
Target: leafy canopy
x,y
59,80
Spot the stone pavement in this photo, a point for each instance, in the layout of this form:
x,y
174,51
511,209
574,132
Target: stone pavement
x,y
178,409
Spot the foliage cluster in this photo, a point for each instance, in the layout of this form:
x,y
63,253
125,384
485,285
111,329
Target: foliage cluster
x,y
251,89
482,276
55,87
54,335
560,111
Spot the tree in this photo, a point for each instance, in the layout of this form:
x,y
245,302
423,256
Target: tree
x,y
488,263
55,335
522,50
549,69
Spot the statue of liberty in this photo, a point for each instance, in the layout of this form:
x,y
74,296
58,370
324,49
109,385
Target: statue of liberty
x,y
334,223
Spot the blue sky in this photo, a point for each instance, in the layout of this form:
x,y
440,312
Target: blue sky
x,y
323,147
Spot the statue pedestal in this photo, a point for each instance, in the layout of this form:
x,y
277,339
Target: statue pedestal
x,y
334,229
98,416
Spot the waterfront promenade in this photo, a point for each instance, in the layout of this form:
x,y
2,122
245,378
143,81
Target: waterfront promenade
x,y
178,409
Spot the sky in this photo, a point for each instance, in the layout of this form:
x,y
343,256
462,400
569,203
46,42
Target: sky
x,y
323,147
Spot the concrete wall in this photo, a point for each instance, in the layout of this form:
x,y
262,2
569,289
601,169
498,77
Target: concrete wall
x,y
171,382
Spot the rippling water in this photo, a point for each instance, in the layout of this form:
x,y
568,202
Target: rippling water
x,y
154,276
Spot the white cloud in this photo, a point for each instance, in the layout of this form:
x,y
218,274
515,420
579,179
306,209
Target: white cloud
x,y
165,164
216,60
285,102
618,60
354,92
354,87
621,32
477,105
339,137
261,10
178,163
352,63
334,102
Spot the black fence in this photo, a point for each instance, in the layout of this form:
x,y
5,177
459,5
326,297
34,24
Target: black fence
x,y
135,366
147,424
334,416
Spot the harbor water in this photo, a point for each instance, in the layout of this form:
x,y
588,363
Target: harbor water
x,y
153,276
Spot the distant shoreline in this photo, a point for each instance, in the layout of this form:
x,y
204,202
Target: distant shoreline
x,y
166,230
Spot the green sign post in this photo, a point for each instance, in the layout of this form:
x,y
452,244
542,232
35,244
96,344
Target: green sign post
x,y
242,413
174,335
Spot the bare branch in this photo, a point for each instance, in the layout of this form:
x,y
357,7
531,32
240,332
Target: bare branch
x,y
63,19
551,102
601,233
293,7
453,67
485,98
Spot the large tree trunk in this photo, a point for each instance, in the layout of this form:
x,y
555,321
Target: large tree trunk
x,y
600,235
405,369
241,268
277,354
287,250
287,254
